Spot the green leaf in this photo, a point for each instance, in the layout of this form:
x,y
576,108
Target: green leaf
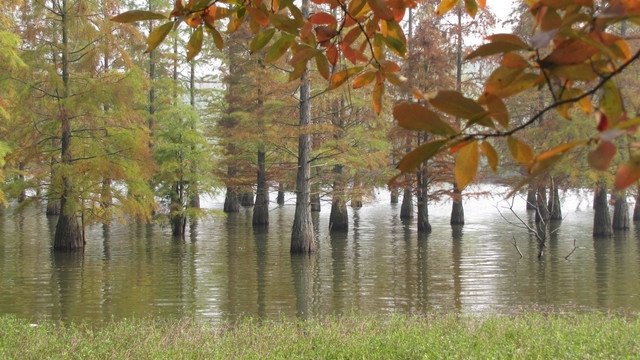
x,y
282,22
472,7
217,38
195,44
137,15
454,103
261,40
157,36
467,164
323,66
278,49
493,48
611,103
419,155
414,116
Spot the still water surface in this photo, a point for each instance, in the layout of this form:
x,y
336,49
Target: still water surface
x,y
225,269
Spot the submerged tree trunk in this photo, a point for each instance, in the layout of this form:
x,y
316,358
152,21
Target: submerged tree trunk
x,y
531,199
280,198
315,198
176,210
457,210
621,212
395,195
302,235
339,218
636,209
406,209
68,234
231,200
542,211
555,210
246,198
261,208
601,219
423,204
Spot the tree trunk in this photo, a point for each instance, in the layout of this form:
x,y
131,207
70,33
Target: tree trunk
x,y
423,197
302,235
395,194
542,211
406,209
261,209
601,219
554,206
69,235
457,210
339,218
280,198
231,201
621,212
247,199
636,209
315,199
531,199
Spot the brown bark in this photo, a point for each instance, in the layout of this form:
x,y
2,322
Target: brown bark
x,y
601,218
69,234
542,211
620,212
636,209
246,199
406,209
302,235
280,198
555,209
531,199
261,208
339,217
457,210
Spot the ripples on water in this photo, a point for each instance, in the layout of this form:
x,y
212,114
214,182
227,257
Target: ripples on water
x,y
225,269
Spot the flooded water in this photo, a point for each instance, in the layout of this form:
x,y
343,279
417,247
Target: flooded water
x,y
225,269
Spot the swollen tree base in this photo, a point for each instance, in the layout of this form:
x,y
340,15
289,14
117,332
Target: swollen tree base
x,y
68,235
621,212
339,218
406,209
601,218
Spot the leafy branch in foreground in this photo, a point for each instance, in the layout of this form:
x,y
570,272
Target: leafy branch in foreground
x,y
574,53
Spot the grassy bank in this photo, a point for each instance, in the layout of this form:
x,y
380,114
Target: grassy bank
x,y
377,337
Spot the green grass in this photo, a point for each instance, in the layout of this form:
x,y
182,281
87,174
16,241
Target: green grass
x,y
532,335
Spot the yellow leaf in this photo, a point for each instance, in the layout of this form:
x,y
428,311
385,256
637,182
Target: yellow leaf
x,y
445,6
364,79
546,159
137,15
611,103
455,104
194,46
414,116
157,36
467,164
498,110
493,48
340,77
419,155
217,38
520,151
490,153
378,90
